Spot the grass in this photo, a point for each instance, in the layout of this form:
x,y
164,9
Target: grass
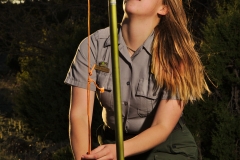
x,y
17,142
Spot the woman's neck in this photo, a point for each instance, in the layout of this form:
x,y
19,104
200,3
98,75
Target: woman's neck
x,y
136,30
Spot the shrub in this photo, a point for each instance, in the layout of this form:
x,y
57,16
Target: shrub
x,y
42,99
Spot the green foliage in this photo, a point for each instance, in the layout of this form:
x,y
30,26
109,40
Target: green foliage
x,y
201,121
45,35
224,138
42,99
16,142
215,122
221,44
64,153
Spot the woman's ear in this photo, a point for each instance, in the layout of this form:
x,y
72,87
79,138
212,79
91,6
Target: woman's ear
x,y
163,10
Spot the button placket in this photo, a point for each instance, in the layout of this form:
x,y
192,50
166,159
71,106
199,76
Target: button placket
x,y
126,116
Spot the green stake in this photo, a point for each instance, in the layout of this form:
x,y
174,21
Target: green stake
x,y
116,78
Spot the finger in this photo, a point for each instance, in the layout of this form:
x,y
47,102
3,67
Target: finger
x,y
89,155
101,154
86,158
98,149
83,158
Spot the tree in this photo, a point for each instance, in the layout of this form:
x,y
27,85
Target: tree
x,y
42,37
219,116
46,49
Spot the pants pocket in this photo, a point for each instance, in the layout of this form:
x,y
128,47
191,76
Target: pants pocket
x,y
167,156
162,157
184,144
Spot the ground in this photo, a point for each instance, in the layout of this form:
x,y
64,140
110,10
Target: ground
x,y
16,140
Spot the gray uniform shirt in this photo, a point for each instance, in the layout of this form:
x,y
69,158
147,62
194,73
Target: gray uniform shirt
x,y
139,93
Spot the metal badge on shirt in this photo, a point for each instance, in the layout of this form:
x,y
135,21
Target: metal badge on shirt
x,y
102,66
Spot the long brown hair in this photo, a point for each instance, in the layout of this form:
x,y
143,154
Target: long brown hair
x,y
175,63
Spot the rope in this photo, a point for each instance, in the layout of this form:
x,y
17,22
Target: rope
x,y
89,82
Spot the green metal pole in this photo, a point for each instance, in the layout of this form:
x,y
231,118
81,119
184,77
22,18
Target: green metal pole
x,y
116,78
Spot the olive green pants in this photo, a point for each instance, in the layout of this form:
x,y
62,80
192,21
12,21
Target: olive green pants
x,y
180,145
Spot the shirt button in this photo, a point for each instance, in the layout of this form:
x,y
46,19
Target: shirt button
x,y
128,83
126,130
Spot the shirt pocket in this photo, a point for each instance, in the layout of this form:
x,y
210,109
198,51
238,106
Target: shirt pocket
x,y
105,80
147,95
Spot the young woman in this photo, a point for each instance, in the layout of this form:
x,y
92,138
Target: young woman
x,y
160,72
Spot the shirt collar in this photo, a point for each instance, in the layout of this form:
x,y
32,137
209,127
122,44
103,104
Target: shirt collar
x,y
147,44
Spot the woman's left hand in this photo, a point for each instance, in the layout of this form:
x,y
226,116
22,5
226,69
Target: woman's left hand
x,y
103,152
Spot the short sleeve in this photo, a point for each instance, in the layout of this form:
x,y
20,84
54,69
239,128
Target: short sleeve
x,y
78,71
167,95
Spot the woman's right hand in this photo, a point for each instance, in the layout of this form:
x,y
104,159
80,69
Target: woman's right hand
x,y
103,152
